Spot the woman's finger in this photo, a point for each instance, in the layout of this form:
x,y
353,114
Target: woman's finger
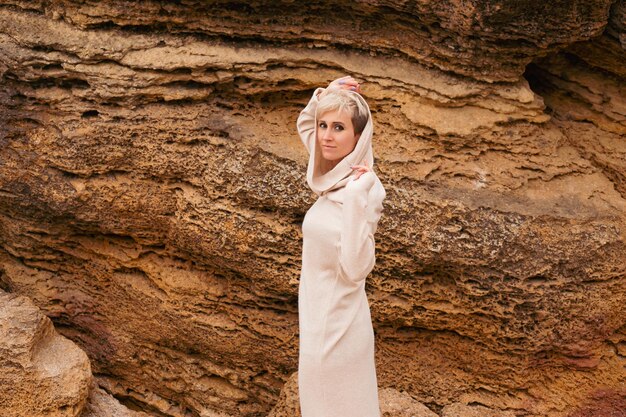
x,y
345,79
363,167
349,84
346,83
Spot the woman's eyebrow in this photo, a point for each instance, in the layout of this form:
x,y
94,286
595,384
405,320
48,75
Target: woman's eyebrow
x,y
338,123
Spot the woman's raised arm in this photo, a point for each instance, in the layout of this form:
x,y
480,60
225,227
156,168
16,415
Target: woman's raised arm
x,y
306,121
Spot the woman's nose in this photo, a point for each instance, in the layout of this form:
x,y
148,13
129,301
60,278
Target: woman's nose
x,y
327,134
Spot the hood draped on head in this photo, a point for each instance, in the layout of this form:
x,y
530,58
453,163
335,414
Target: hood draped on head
x,y
322,182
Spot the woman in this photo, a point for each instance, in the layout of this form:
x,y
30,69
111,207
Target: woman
x,y
336,373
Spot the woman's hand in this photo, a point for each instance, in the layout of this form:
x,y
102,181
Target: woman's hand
x,y
360,169
343,83
346,83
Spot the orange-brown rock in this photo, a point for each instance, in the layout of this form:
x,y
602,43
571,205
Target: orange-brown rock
x,y
152,190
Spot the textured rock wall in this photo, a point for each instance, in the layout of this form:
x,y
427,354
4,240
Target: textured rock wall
x,y
152,191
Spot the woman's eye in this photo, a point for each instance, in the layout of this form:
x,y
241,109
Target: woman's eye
x,y
339,128
323,125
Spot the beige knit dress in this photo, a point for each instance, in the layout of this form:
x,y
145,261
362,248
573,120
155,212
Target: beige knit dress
x,y
336,373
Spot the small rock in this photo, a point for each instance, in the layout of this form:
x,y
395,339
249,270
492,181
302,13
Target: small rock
x,y
393,403
288,404
102,404
41,372
466,410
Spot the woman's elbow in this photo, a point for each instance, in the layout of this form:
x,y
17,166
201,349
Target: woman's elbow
x,y
357,273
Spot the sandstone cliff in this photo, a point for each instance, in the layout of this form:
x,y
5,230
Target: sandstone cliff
x,y
152,191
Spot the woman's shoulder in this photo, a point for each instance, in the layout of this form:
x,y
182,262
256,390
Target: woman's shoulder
x,y
368,185
377,186
365,182
378,192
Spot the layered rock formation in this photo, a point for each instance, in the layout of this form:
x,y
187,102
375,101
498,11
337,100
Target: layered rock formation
x,y
152,190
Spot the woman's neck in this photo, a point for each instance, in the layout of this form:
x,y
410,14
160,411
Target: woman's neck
x,y
327,165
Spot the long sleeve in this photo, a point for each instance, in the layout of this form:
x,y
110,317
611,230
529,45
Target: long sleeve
x,y
306,121
362,208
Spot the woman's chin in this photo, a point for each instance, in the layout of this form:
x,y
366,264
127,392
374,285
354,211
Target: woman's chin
x,y
329,156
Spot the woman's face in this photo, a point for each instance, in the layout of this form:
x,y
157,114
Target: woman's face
x,y
335,134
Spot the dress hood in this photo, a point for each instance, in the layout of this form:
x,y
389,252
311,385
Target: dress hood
x,y
337,177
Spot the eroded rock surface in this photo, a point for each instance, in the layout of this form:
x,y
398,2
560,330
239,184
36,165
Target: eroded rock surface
x,y
491,40
152,190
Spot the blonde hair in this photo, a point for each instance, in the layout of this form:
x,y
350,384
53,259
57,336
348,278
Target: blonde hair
x,y
344,100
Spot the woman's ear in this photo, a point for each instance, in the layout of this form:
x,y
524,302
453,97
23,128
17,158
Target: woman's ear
x,y
356,137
